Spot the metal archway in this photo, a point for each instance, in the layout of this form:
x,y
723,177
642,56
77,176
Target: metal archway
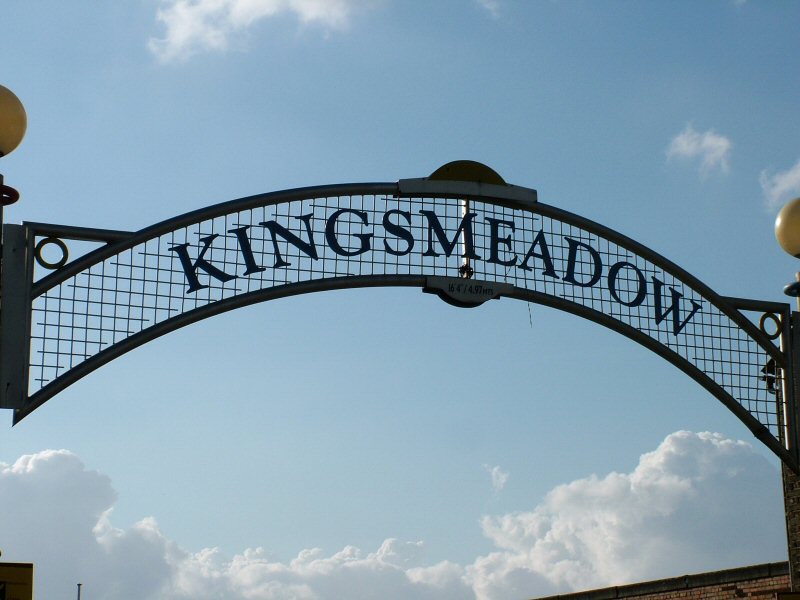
x,y
462,233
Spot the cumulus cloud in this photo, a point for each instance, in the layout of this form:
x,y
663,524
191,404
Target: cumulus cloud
x,y
499,477
194,26
782,186
679,510
710,148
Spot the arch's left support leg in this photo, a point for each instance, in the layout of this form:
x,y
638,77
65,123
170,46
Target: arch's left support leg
x,y
15,313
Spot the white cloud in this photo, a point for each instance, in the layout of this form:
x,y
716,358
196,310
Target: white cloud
x,y
712,149
493,6
194,26
680,510
499,477
782,186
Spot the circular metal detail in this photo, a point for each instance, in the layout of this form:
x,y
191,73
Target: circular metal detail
x,y
775,320
46,263
13,121
8,195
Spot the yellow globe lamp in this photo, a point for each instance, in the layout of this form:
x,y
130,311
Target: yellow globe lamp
x,y
787,232
13,121
787,227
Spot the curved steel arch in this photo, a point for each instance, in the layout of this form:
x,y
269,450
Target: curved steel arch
x,y
466,241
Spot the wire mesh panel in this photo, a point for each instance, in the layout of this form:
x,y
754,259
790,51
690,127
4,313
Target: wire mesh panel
x,y
252,251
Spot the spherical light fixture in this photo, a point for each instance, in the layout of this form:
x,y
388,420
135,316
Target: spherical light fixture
x,y
787,227
787,232
13,121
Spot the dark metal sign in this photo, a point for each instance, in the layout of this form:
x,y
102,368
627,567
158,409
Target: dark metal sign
x,y
348,234
466,241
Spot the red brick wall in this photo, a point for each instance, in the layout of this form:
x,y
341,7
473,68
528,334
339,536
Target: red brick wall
x,y
759,582
791,503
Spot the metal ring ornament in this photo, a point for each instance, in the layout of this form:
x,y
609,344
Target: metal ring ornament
x,y
775,319
8,195
43,261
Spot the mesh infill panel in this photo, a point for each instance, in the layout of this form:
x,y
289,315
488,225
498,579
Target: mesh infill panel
x,y
261,248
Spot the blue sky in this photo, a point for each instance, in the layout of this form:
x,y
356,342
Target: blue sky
x,y
360,419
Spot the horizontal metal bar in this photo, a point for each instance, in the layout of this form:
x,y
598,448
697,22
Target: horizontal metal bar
x,y
83,234
757,305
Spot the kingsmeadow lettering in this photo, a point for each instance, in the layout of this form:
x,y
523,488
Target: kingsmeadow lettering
x,y
348,233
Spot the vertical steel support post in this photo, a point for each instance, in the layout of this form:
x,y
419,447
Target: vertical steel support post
x,y
792,384
15,316
791,479
1,286
789,391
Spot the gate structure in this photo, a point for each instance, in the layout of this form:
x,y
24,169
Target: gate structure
x,y
461,233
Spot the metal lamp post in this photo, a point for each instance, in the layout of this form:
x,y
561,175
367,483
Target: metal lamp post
x,y
13,123
787,232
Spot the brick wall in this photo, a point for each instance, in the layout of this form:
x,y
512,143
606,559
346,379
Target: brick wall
x,y
791,503
759,582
